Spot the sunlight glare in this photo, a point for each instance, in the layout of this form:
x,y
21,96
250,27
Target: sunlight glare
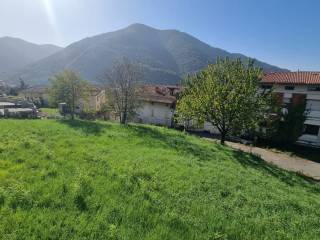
x,y
47,4
50,13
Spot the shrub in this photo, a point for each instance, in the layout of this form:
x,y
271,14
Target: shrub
x,y
288,127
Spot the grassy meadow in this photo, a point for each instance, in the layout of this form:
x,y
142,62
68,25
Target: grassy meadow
x,y
99,180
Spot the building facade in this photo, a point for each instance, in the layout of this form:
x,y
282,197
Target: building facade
x,y
294,87
97,98
157,105
93,102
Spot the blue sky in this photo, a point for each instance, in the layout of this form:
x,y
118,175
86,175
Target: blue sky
x,y
281,32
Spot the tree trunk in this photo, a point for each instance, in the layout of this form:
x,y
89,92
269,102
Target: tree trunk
x,y
72,111
223,138
123,118
125,112
73,103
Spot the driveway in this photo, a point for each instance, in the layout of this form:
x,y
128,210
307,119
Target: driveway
x,y
282,160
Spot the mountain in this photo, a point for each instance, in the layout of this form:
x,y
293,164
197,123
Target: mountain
x,y
16,54
166,55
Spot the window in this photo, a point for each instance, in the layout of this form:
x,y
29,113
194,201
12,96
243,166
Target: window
x,y
313,105
266,86
289,87
314,88
311,129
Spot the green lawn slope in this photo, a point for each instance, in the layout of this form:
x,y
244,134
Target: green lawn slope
x,y
97,180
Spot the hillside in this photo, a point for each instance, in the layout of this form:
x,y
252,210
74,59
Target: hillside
x,y
16,54
166,55
97,180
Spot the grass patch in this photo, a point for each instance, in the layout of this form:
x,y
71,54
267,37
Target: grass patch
x,y
97,180
50,112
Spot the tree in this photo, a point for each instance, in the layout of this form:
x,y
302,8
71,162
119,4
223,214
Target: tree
x,y
227,95
23,85
68,87
123,93
287,126
13,91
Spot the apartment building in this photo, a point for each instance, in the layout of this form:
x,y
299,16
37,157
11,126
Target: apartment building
x,y
293,87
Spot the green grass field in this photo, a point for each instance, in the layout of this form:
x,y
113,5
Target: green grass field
x,y
95,180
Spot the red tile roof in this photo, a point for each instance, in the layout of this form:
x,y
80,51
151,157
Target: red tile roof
x,y
309,78
161,94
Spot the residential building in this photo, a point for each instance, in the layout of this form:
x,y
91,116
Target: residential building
x,y
294,87
94,101
158,104
39,95
97,99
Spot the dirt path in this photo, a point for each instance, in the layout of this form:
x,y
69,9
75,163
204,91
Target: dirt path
x,y
282,160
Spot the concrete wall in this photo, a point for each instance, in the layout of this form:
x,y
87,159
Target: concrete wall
x,y
155,113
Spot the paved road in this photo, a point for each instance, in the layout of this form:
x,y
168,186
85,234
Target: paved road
x,y
282,160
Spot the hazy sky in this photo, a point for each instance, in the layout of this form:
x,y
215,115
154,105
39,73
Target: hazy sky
x,y
281,32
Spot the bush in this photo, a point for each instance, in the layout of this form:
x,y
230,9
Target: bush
x,y
286,128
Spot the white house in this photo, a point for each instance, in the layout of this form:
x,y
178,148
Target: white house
x,y
293,87
157,104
